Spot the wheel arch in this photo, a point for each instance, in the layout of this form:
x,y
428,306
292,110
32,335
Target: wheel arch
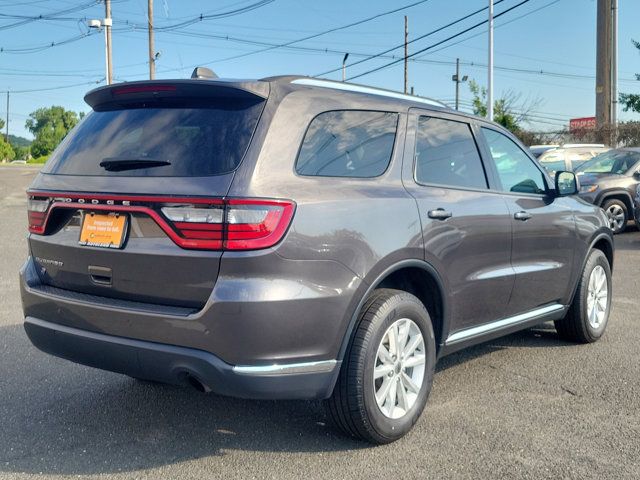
x,y
621,195
603,242
418,278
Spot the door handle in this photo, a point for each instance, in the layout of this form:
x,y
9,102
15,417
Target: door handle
x,y
439,214
523,216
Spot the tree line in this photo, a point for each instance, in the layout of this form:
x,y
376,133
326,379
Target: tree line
x,y
48,125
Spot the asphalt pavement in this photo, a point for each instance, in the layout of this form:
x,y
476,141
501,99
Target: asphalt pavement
x,y
524,406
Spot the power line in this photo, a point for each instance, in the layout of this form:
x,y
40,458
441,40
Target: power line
x,y
60,87
526,115
198,18
497,26
366,56
438,43
461,19
25,19
41,47
316,35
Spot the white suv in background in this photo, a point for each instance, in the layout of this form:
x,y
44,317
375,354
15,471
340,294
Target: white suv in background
x,y
570,156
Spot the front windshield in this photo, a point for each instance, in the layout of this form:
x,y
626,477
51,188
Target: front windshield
x,y
613,161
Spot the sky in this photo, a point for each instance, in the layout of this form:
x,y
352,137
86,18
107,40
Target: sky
x,y
555,37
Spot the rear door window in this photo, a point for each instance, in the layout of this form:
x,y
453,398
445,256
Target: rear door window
x,y
446,154
348,143
208,138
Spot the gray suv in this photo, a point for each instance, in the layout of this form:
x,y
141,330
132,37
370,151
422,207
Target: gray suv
x,y
292,238
609,180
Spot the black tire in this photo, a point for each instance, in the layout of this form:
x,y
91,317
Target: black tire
x,y
575,326
616,204
352,407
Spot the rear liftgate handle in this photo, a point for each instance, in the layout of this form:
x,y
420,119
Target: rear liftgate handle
x,y
439,214
522,216
100,275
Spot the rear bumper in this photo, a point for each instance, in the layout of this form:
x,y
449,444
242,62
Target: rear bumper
x,y
261,338
180,365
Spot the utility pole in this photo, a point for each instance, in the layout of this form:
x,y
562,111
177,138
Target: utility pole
x,y
344,66
406,53
456,78
490,64
603,69
6,135
107,29
614,68
152,53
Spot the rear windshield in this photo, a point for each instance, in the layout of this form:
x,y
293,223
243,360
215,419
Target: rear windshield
x,y
178,140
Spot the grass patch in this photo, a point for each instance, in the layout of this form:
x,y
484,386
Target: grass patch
x,y
39,160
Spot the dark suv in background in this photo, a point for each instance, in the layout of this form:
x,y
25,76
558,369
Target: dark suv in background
x,y
292,238
609,180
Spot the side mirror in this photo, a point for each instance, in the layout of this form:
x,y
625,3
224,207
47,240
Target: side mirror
x,y
636,174
566,184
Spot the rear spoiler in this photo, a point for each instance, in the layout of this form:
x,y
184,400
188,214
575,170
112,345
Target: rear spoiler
x,y
121,94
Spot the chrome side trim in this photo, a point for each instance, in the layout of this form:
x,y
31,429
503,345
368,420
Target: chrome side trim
x,y
370,90
505,322
286,369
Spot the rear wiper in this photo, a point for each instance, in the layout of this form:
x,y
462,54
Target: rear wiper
x,y
120,164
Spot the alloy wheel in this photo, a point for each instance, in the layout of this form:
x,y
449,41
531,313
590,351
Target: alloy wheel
x,y
597,297
615,213
399,369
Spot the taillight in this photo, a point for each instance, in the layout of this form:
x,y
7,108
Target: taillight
x,y
203,226
254,224
235,224
37,210
193,223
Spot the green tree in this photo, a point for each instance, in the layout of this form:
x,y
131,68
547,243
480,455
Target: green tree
x,y
502,107
21,153
6,152
631,101
49,126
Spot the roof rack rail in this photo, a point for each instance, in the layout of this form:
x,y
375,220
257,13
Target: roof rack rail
x,y
312,82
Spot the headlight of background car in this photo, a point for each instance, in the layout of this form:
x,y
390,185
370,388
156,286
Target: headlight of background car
x,y
588,188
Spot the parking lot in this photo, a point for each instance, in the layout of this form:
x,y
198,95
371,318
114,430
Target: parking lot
x,y
525,406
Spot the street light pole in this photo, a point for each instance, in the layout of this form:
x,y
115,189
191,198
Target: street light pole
x,y
490,77
107,39
456,78
102,24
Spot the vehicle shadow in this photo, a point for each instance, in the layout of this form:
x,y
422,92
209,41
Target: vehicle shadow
x,y
538,337
66,419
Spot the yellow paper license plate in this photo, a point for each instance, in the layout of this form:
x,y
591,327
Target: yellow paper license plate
x,y
103,230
